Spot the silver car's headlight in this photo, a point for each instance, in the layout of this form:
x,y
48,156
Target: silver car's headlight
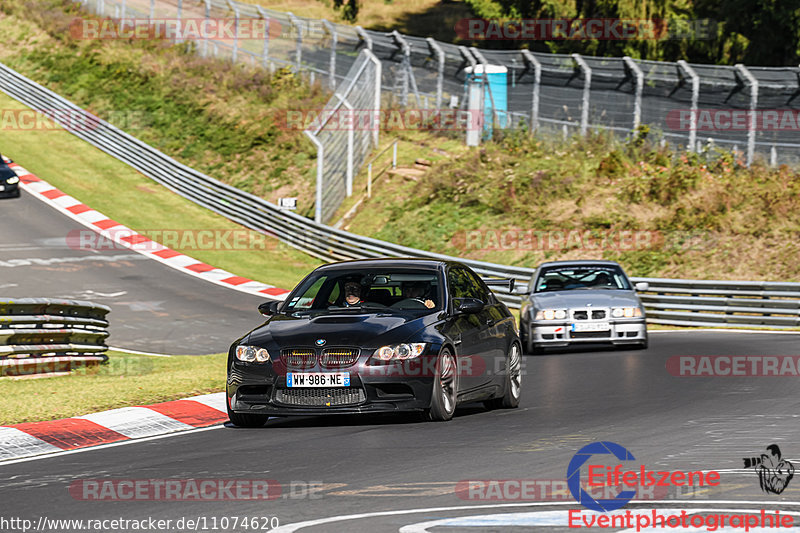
x,y
250,354
551,314
626,312
12,180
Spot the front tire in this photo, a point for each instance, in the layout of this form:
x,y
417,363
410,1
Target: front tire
x,y
513,382
246,420
445,388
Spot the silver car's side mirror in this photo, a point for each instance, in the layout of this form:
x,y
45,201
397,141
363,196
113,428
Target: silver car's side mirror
x,y
642,286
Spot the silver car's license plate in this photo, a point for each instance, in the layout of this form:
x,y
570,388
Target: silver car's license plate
x,y
591,326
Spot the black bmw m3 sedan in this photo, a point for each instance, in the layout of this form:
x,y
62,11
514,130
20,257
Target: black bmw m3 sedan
x,y
378,336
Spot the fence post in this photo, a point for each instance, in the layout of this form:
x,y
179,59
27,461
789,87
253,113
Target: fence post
x,y
537,80
332,30
320,163
152,10
298,51
473,134
349,175
235,9
364,37
122,9
180,10
637,102
408,75
101,8
683,65
376,97
751,129
439,54
587,85
265,49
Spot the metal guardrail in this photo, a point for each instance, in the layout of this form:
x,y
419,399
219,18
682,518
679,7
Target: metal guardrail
x,y
41,335
668,301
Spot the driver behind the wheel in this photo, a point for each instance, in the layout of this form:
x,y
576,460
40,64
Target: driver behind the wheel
x,y
352,294
415,290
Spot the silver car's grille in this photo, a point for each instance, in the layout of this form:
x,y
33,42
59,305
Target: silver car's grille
x,y
589,314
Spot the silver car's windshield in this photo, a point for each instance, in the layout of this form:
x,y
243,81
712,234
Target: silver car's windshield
x,y
564,278
367,290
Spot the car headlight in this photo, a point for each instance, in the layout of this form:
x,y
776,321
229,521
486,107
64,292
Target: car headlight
x,y
399,351
251,354
12,180
626,312
551,314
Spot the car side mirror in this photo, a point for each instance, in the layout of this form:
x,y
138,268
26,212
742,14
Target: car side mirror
x,y
269,308
469,306
642,286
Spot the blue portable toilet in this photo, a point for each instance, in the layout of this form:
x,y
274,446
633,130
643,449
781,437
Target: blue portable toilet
x,y
495,91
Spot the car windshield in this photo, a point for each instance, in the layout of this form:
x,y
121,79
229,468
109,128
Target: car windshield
x,y
565,278
367,290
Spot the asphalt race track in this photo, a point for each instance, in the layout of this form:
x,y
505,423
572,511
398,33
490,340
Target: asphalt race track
x,y
390,463
154,308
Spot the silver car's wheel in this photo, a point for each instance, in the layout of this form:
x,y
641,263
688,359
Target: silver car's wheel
x,y
445,388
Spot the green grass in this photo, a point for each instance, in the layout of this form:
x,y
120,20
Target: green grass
x,y
125,380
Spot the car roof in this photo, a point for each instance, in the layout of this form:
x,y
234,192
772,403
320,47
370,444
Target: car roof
x,y
389,262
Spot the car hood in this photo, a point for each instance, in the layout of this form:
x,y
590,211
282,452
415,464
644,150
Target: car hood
x,y
582,298
365,330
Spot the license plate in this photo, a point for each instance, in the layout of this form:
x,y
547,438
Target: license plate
x,y
591,326
317,379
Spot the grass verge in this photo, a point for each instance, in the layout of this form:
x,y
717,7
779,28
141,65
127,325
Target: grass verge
x,y
125,380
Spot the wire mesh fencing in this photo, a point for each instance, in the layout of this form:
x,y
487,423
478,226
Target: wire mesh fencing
x,y
751,111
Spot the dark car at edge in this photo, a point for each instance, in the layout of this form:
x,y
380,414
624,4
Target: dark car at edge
x,y
421,335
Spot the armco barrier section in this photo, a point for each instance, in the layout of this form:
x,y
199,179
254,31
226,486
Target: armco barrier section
x,y
762,304
42,335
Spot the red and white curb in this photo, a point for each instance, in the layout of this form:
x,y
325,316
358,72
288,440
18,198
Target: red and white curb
x,y
124,236
38,438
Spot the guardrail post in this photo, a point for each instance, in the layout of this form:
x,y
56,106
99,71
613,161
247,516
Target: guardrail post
x,y
364,37
639,81
265,48
332,68
235,9
587,87
684,66
537,80
439,55
751,128
298,48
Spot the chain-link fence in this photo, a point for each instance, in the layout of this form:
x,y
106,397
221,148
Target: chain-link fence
x,y
752,111
342,148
